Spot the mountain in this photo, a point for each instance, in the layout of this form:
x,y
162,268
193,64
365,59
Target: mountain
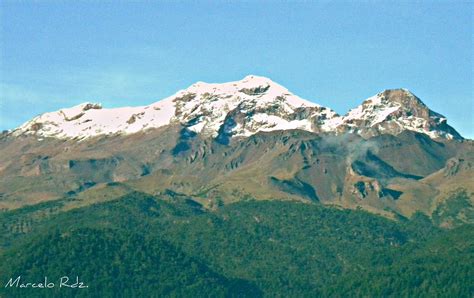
x,y
216,144
234,109
241,109
394,111
239,189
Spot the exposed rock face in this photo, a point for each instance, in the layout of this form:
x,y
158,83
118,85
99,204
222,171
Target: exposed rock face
x,y
456,165
362,189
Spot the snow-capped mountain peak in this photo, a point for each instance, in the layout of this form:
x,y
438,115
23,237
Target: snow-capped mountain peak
x,y
393,111
250,86
240,109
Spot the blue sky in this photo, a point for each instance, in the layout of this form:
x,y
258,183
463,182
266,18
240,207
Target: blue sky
x,y
58,54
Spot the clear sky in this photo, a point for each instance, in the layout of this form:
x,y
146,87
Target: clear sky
x,y
57,54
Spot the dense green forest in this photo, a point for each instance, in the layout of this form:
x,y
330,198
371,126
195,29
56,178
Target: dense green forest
x,y
141,246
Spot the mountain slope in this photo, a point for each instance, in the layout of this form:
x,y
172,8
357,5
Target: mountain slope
x,y
346,170
248,249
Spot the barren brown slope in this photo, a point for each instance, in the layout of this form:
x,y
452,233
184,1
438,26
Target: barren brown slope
x,y
384,174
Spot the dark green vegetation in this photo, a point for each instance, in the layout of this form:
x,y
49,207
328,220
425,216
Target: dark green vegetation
x,y
140,245
455,210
